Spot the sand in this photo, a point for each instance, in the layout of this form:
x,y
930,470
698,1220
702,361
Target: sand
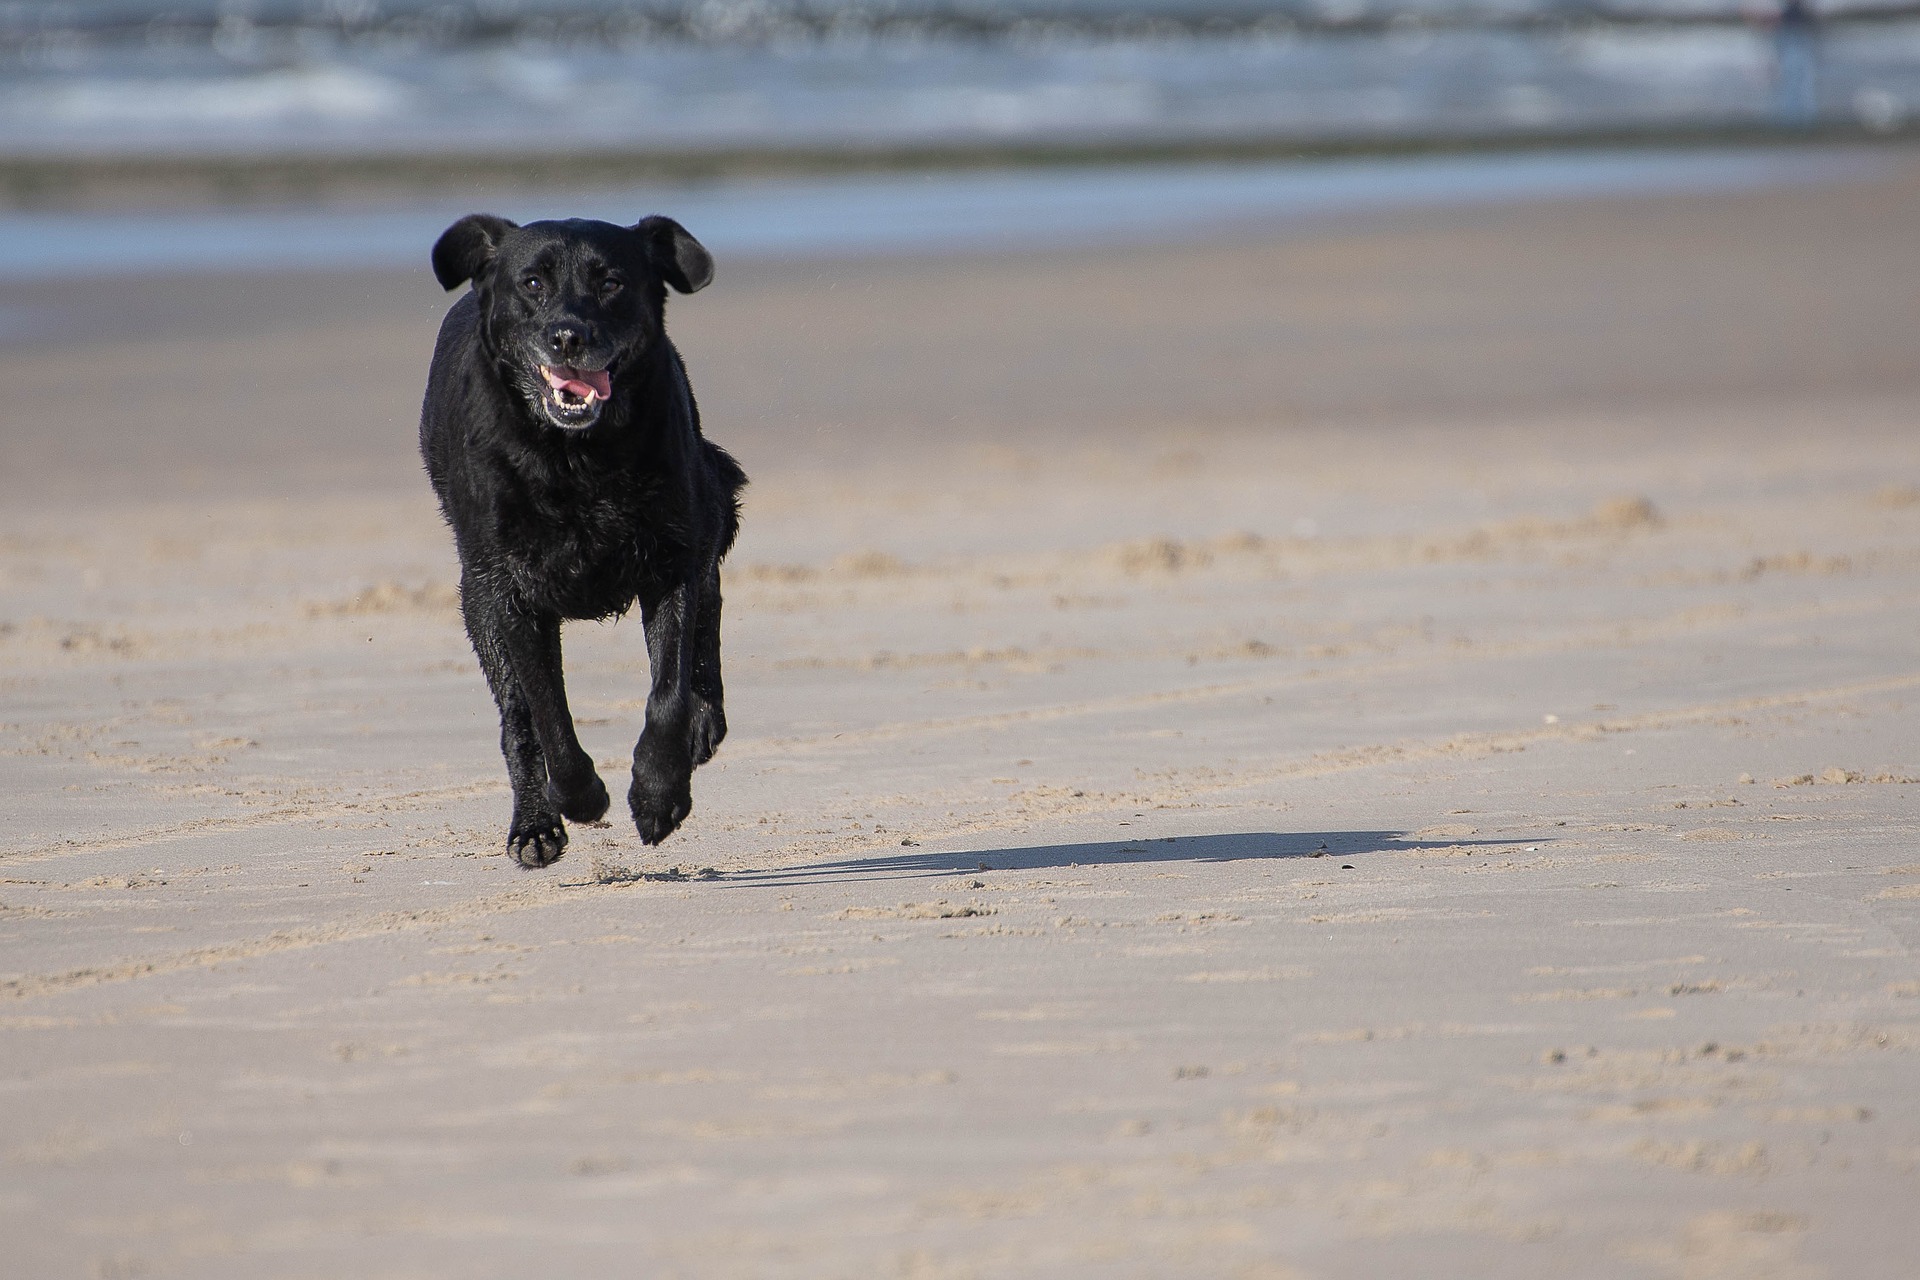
x,y
1376,749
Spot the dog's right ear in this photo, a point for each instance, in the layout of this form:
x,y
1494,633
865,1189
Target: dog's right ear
x,y
466,248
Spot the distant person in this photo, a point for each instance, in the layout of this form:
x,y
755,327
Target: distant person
x,y
1796,59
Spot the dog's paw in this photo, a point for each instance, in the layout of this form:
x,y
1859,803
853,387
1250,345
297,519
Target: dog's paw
x,y
536,841
706,728
586,802
659,807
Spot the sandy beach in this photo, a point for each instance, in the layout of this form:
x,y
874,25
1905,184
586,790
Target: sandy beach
x,y
1380,747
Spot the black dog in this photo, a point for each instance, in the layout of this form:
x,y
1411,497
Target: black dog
x,y
563,439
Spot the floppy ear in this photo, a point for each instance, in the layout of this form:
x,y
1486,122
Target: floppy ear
x,y
465,249
682,261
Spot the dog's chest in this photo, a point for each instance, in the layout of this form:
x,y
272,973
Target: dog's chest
x,y
586,554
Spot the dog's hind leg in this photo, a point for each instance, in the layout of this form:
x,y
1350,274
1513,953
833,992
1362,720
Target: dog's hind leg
x,y
662,793
535,837
707,723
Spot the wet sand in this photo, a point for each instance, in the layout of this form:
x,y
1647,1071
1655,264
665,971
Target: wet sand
x,y
1386,748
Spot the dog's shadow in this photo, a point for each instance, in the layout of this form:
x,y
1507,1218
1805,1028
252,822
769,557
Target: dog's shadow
x,y
1236,847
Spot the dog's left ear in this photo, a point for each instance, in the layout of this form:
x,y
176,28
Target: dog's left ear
x,y
466,248
682,261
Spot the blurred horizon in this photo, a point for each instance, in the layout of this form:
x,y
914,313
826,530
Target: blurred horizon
x,y
924,214
94,80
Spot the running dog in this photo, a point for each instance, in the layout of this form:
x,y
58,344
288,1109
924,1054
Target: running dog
x,y
562,437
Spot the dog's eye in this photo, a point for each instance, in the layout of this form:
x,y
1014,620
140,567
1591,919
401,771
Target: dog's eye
x,y
534,285
609,287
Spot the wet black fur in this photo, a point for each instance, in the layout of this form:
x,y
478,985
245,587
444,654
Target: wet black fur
x,y
554,522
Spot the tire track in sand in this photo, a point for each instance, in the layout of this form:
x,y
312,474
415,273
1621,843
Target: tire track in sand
x,y
550,893
31,986
1608,635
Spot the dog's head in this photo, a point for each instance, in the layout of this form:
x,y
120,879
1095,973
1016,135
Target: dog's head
x,y
565,306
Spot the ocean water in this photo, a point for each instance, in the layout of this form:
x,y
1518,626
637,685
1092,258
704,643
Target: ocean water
x,y
139,77
938,212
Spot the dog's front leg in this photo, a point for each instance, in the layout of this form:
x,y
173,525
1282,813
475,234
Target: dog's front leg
x,y
707,723
662,791
533,644
536,836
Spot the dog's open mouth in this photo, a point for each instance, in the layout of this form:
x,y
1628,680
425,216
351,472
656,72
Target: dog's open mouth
x,y
574,396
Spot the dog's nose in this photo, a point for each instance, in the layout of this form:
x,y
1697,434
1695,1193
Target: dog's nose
x,y
567,339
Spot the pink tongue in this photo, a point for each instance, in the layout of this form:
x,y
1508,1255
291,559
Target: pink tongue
x,y
581,382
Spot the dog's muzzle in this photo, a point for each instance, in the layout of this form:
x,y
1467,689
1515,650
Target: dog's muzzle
x,y
572,397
